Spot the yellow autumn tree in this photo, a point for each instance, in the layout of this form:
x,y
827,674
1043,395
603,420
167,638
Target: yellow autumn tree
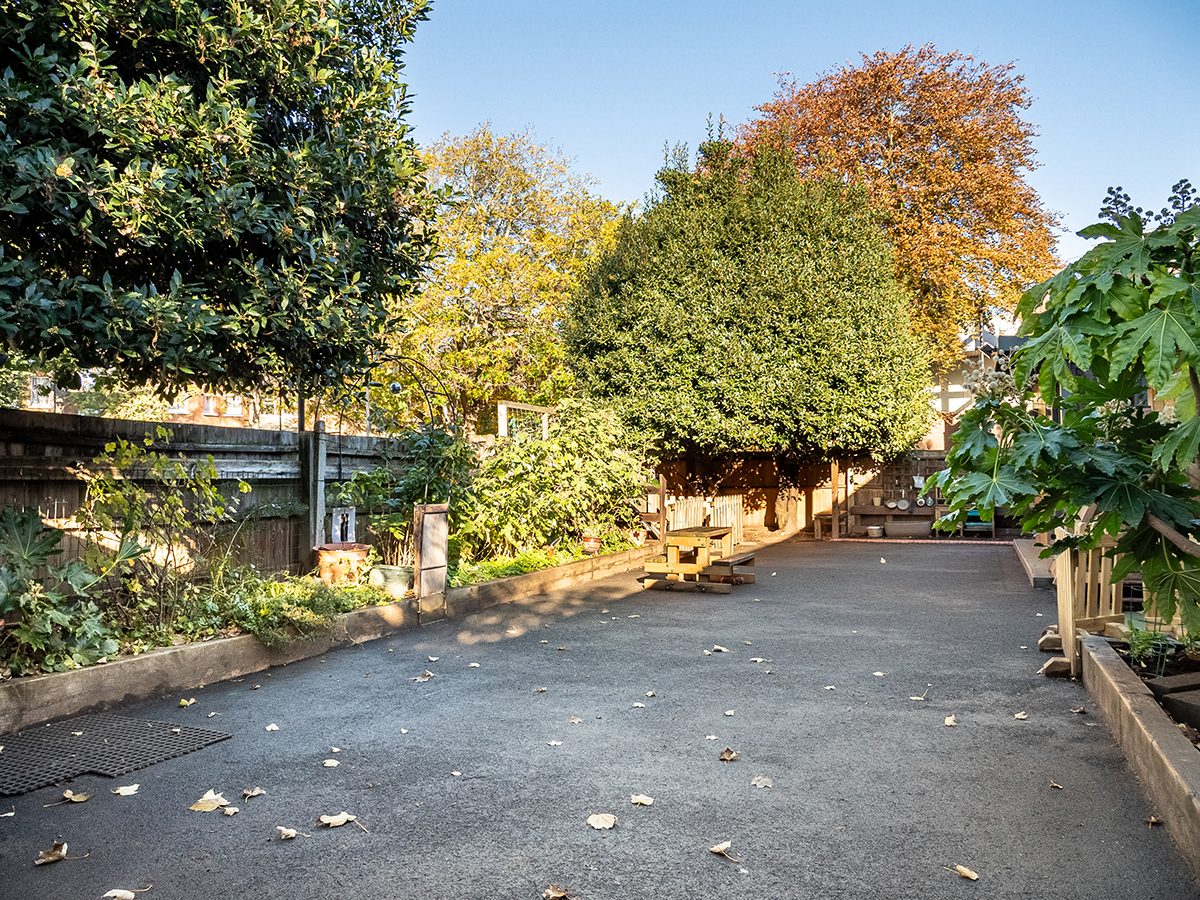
x,y
516,233
940,144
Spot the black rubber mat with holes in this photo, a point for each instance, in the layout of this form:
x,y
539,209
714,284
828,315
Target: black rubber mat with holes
x,y
99,744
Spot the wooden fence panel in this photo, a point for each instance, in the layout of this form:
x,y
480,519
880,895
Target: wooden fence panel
x,y
727,510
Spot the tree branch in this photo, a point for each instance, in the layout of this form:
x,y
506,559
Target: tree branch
x,y
1182,541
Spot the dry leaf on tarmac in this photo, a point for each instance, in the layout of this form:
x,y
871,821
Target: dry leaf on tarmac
x,y
404,731
562,648
950,721
830,687
879,674
717,648
6,815
286,834
335,821
882,561
575,720
428,674
247,793
118,894
71,797
633,617
1021,715
553,743
331,763
759,659
639,706
710,737
640,800
420,679
708,653
456,774
649,693
762,781
231,810
187,702
54,854
434,658
176,730
966,873
727,755
543,642
722,849
730,712
472,665
555,892
271,727
128,790
602,820
540,690
1055,784
210,801
1079,710
336,749
1152,821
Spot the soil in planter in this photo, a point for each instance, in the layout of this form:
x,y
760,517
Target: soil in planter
x,y
1177,663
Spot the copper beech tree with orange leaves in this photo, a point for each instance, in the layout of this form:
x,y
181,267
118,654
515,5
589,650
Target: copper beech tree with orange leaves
x,y
940,145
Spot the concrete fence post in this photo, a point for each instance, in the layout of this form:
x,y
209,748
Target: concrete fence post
x,y
312,490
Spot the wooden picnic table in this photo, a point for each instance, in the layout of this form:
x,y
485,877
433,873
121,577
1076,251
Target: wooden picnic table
x,y
689,564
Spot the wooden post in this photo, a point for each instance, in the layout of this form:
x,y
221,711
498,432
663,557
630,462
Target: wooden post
x,y
431,528
835,490
312,490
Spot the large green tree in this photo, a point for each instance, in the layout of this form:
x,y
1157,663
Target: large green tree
x,y
516,234
750,309
217,194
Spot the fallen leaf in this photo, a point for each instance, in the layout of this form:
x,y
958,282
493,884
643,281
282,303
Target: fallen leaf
x,y
554,743
722,849
882,561
633,617
210,715
1152,821
575,720
1037,614
966,873
540,690
604,610
830,687
6,815
727,755
128,790
650,693
331,763
434,658
210,801
231,810
118,894
176,730
404,731
879,674
710,737
639,706
1055,784
77,733
717,648
729,712
77,798
456,774
54,854
187,702
640,800
950,722
554,892
773,574
602,820
336,821
272,727
1021,715
747,643
257,686
247,793
543,642
421,679
761,781
336,749
428,674
1023,647
286,834
916,698
708,653
1078,709
472,665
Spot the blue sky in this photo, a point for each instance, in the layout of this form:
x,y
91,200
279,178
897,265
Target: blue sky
x,y
1116,83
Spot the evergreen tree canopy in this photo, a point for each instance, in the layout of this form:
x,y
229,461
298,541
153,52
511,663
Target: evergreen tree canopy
x,y
209,194
747,309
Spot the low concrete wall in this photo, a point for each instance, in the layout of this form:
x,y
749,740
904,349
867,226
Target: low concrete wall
x,y
1165,762
44,698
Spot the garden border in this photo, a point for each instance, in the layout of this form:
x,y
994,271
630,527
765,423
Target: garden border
x,y
44,698
1165,762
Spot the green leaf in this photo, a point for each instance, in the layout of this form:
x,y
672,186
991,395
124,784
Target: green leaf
x,y
1160,335
1179,448
990,490
25,543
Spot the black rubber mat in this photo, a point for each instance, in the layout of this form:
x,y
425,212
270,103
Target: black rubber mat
x,y
99,744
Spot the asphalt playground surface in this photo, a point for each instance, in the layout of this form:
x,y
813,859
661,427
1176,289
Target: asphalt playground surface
x,y
461,793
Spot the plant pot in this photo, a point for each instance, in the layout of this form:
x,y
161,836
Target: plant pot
x,y
591,544
394,580
341,563
921,528
875,531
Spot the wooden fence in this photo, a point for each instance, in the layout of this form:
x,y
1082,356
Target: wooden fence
x,y
42,456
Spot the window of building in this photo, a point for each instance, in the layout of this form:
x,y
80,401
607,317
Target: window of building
x,y
41,392
210,405
233,407
179,406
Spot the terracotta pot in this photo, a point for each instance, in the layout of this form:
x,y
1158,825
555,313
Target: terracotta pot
x,y
341,563
591,544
